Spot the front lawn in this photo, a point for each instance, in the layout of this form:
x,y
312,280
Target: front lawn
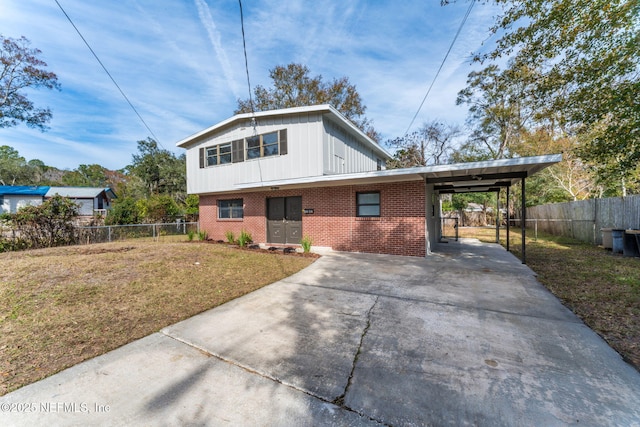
x,y
61,306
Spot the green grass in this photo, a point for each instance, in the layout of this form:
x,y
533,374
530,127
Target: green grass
x,y
61,306
602,288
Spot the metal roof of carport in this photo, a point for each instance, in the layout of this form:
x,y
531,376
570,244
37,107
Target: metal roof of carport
x,y
487,175
458,177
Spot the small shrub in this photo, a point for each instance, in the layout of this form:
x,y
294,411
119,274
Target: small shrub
x,y
160,208
48,224
124,211
306,244
244,239
190,235
7,245
202,235
231,238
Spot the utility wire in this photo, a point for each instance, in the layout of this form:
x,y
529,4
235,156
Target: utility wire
x,y
464,20
254,124
109,74
246,62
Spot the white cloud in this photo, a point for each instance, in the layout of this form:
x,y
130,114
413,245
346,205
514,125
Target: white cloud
x,y
214,37
182,65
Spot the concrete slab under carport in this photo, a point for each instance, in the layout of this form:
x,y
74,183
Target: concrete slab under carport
x,y
467,273
465,337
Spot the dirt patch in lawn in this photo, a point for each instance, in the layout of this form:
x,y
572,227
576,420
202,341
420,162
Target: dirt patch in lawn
x,y
61,306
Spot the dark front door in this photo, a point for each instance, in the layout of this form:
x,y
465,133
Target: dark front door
x,y
284,219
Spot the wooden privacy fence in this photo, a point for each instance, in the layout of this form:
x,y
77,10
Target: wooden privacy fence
x,y
583,219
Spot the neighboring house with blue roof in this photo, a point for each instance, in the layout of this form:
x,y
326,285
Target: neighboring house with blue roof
x,y
14,197
91,200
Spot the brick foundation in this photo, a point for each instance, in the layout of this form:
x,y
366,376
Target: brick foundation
x,y
400,229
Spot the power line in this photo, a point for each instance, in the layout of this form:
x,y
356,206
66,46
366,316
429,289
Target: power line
x,y
441,65
246,62
246,67
109,74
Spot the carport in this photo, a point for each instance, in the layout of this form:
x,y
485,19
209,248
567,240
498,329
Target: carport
x,y
479,177
485,176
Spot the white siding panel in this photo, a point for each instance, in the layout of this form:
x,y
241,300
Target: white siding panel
x,y
327,153
304,158
344,153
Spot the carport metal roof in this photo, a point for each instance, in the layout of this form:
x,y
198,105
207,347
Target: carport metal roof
x,y
459,177
486,176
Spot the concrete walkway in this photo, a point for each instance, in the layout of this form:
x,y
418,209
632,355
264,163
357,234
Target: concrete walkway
x,y
465,337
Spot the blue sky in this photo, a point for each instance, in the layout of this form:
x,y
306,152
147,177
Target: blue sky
x,y
181,64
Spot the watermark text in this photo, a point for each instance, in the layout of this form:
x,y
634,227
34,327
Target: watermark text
x,y
54,407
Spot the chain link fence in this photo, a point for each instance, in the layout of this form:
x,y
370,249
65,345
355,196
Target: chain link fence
x,y
113,233
450,228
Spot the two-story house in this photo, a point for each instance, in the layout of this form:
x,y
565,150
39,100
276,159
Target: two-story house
x,y
308,171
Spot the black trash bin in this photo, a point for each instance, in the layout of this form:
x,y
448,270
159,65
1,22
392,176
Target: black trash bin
x,y
630,244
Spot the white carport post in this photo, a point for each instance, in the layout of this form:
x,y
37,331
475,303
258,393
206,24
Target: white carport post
x,y
431,217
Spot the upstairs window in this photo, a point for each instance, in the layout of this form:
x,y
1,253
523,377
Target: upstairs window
x,y
218,154
268,144
253,147
368,204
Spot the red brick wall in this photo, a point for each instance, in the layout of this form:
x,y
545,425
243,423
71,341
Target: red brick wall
x,y
400,229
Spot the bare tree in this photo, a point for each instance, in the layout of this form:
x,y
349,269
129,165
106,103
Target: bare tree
x,y
432,144
20,69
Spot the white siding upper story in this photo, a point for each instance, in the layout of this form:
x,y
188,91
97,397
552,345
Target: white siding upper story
x,y
298,142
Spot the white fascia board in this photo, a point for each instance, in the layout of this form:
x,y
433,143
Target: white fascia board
x,y
545,160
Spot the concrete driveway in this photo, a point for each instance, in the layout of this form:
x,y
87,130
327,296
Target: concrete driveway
x,y
465,337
